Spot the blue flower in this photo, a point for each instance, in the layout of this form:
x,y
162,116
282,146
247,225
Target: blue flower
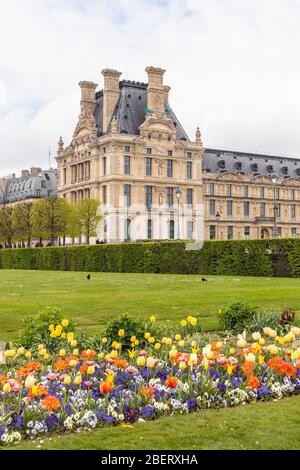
x,y
148,412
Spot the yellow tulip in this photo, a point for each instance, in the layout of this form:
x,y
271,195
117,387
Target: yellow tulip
x,y
121,333
67,380
28,354
65,323
75,352
230,369
194,344
104,340
63,335
260,360
193,321
152,319
169,341
136,343
20,351
41,346
78,380
73,343
46,357
183,323
133,339
177,337
131,353
182,365
157,346
141,361
6,388
62,353
181,343
100,356
147,335
151,340
172,353
73,363
51,327
231,351
219,345
90,370
262,341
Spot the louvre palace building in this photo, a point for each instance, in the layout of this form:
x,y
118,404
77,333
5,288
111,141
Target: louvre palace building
x,y
130,152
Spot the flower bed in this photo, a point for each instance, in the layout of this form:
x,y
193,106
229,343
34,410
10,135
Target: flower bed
x,y
42,392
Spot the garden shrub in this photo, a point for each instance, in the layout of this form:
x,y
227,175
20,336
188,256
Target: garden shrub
x,y
237,316
132,326
261,320
37,332
280,257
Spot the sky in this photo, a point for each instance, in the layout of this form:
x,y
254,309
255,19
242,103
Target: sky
x,y
233,67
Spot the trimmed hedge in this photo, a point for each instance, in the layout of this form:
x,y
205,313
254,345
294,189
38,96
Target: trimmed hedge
x,y
280,257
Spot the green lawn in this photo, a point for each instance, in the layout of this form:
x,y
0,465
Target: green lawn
x,y
273,425
170,297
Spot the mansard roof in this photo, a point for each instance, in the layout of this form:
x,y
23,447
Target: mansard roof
x,y
38,185
130,110
250,164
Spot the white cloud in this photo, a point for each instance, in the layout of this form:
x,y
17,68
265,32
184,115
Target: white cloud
x,y
232,66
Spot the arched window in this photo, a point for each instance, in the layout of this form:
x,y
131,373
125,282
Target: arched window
x,y
127,230
149,229
171,230
190,227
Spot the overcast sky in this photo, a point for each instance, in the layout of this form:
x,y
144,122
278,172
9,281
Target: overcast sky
x,y
233,66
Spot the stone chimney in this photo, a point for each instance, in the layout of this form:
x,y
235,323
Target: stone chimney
x,y
111,93
24,173
156,91
13,176
167,89
88,100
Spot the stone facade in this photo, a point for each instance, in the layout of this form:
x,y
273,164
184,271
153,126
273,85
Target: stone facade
x,y
131,153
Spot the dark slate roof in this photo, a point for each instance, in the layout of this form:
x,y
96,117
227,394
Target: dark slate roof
x,y
130,110
32,186
250,164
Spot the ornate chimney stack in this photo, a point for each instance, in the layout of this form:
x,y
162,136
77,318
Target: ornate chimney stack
x,y
60,146
88,100
111,93
156,90
198,136
167,89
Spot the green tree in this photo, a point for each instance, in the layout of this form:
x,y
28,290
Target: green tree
x,y
70,221
49,218
6,225
89,217
22,222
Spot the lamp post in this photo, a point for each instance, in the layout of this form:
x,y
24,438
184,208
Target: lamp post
x,y
274,179
218,216
178,195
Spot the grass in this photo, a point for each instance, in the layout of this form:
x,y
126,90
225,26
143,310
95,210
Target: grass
x,y
170,297
272,425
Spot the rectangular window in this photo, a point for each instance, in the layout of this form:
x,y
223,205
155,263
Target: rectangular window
x,y
104,165
104,195
189,198
277,193
230,232
104,149
127,165
293,211
278,210
43,184
170,168
126,148
247,233
246,191
149,151
148,166
262,192
292,194
229,207
211,189
170,197
65,176
189,154
262,209
294,232
148,197
212,207
279,232
246,208
170,153
229,190
212,232
127,195
189,170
